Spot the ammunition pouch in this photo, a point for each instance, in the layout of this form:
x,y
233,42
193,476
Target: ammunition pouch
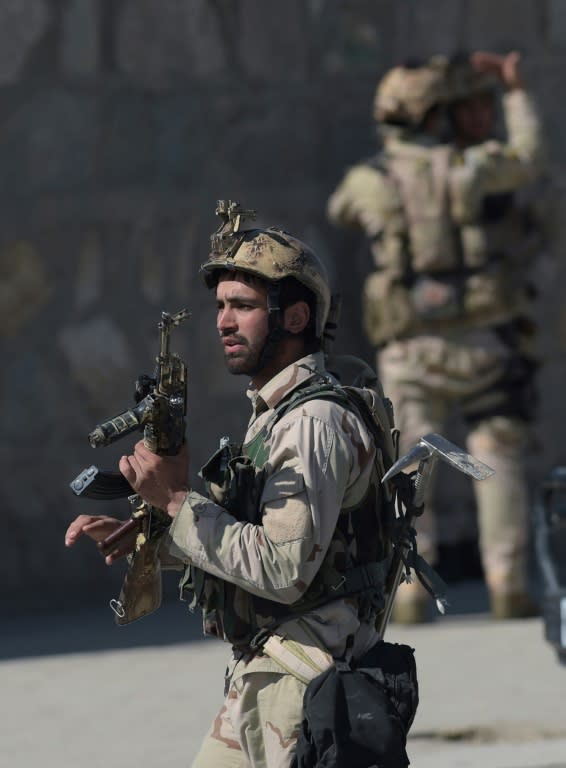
x,y
520,384
233,481
387,308
516,388
518,393
397,307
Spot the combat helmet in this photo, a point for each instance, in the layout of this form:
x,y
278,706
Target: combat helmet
x,y
465,81
268,253
406,93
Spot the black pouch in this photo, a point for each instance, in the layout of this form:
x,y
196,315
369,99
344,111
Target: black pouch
x,y
358,716
393,666
233,481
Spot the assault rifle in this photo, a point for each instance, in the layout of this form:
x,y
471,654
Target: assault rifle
x,y
160,412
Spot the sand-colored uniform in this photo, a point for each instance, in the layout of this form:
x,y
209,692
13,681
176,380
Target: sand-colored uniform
x,y
319,482
448,306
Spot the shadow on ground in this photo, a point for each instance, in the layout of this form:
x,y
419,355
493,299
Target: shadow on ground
x,y
84,630
93,629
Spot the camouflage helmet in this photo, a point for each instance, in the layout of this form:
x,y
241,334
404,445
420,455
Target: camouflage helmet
x,y
268,253
406,93
464,81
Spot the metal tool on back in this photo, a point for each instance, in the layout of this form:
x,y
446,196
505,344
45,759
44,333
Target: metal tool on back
x,y
430,449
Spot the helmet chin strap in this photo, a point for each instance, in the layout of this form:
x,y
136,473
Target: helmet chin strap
x,y
276,332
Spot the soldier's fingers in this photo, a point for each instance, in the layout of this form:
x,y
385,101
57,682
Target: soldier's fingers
x,y
511,72
139,469
112,557
143,454
484,61
117,554
140,448
76,529
126,468
121,548
101,528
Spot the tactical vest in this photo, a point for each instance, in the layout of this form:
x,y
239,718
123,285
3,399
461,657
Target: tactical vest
x,y
452,257
358,557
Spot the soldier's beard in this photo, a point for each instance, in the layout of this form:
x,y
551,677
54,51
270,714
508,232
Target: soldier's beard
x,y
246,361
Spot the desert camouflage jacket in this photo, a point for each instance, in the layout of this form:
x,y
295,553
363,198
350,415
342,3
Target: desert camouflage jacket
x,y
453,232
318,500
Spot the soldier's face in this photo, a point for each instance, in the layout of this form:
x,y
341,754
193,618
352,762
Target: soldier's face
x,y
474,119
242,322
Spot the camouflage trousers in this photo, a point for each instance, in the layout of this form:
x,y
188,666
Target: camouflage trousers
x,y
259,722
425,377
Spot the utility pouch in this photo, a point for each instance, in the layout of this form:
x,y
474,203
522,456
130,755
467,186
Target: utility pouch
x,y
393,666
359,715
216,473
492,293
387,308
304,658
232,481
242,496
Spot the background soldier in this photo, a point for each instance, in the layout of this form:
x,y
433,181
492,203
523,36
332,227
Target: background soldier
x,y
447,303
295,514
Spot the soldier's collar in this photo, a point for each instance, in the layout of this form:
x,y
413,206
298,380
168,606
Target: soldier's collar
x,y
412,144
286,381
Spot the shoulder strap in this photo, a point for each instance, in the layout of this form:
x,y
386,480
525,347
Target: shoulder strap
x,y
256,449
374,410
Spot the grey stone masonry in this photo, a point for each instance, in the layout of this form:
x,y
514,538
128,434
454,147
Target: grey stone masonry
x,y
121,124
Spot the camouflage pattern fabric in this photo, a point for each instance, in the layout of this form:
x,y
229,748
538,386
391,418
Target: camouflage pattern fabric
x,y
450,245
320,467
433,331
427,377
259,722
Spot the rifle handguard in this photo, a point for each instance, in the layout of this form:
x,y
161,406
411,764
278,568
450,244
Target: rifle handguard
x,y
110,542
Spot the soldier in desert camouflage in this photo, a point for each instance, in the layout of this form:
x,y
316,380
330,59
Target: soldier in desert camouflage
x,y
446,307
283,556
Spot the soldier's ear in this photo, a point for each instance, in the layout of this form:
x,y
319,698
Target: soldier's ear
x,y
296,317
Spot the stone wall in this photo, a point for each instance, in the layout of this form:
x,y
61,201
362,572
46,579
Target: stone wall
x,y
121,123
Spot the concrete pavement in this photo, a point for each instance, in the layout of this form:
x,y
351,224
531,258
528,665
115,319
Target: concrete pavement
x,y
78,691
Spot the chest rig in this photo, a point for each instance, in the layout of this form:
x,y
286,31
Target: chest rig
x,y
358,557
459,256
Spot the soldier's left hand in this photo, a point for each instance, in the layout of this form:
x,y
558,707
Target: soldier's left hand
x,y
160,480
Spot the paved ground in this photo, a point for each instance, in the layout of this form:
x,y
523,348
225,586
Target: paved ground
x,y
79,692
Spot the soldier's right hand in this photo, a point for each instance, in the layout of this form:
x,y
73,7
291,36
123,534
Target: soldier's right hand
x,y
505,67
511,71
98,528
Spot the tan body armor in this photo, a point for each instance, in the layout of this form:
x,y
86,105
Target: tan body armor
x,y
448,257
